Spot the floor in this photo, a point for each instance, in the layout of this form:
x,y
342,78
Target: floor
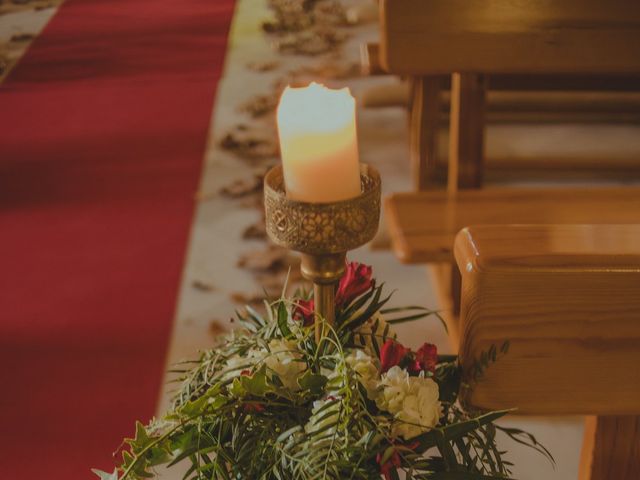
x,y
214,285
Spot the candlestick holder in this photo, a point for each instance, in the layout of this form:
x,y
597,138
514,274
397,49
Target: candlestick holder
x,y
323,233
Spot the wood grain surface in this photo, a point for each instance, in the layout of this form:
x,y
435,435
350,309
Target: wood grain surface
x,y
423,225
567,299
510,36
611,448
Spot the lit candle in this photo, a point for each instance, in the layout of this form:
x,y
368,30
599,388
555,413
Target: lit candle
x,y
318,144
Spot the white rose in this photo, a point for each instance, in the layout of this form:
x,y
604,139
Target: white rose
x,y
412,400
285,361
367,371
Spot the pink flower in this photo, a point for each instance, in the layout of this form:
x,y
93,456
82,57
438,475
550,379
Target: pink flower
x,y
355,281
427,357
391,354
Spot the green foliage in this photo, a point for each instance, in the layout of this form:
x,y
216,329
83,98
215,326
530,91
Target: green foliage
x,y
236,415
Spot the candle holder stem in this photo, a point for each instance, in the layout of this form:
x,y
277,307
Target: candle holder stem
x,y
324,298
325,271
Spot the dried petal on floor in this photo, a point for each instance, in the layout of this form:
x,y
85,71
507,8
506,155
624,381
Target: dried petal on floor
x,y
260,105
242,187
203,285
251,143
255,231
270,259
263,66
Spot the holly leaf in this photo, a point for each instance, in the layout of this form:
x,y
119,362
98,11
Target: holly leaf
x,y
312,382
256,384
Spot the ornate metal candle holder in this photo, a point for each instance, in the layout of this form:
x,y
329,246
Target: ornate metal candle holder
x,y
322,232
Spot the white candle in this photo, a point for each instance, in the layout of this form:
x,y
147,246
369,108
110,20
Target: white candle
x,y
318,144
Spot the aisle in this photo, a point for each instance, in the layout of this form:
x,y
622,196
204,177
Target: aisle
x,y
104,125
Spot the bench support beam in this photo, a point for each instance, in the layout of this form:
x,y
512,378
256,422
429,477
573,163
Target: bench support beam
x,y
611,448
466,130
424,119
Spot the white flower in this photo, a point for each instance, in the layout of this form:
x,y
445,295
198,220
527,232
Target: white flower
x,y
285,360
412,400
367,371
236,364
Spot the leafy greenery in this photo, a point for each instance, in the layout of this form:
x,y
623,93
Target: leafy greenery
x,y
236,414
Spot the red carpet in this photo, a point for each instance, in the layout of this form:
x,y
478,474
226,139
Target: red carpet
x,y
103,127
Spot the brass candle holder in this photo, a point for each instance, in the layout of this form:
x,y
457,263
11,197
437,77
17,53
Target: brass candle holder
x,y
323,233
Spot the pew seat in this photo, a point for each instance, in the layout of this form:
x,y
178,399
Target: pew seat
x,y
422,225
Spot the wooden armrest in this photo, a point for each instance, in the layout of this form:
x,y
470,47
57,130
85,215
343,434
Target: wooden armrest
x,y
423,225
567,299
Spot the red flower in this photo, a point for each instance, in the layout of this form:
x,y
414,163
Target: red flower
x,y
394,461
253,407
390,465
427,357
355,281
391,354
304,311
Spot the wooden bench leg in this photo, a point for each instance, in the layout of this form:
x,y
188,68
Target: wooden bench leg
x,y
423,130
611,448
466,131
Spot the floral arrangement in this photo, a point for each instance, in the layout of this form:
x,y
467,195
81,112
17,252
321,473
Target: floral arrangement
x,y
271,402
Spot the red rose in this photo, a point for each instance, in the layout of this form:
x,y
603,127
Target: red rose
x,y
390,465
355,281
394,461
304,311
427,357
391,354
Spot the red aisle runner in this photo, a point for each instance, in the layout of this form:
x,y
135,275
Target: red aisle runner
x,y
103,127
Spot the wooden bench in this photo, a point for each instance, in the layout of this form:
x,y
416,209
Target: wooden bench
x,y
474,41
422,226
567,300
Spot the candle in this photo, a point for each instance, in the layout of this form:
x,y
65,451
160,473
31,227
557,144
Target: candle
x,y
318,144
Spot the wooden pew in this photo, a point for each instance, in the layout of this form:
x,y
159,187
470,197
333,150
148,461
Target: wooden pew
x,y
423,225
474,41
567,300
